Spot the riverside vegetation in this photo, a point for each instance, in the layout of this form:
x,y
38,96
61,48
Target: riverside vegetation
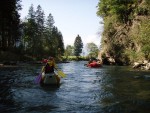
x,y
126,35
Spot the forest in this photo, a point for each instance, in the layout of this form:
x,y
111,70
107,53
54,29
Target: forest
x,y
33,37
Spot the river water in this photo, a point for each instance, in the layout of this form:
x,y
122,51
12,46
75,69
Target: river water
x,y
110,89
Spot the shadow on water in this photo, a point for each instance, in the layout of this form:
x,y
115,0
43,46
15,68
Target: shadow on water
x,y
110,89
124,92
50,88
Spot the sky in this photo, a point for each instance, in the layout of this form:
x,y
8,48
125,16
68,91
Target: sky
x,y
72,18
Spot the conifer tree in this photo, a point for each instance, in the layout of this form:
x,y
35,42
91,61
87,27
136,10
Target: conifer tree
x,y
9,24
78,45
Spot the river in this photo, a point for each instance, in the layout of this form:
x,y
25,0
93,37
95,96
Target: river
x,y
109,89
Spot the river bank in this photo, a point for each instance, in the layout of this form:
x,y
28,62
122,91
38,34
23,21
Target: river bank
x,y
8,59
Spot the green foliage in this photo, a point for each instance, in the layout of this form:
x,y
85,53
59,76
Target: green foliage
x,y
69,50
75,58
143,8
41,38
78,45
126,33
9,24
34,37
121,8
134,55
92,49
109,28
145,37
50,23
57,45
146,51
118,49
30,27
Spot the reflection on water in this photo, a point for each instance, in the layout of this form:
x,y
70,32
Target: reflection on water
x,y
110,89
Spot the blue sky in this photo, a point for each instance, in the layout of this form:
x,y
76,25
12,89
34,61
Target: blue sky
x,y
72,17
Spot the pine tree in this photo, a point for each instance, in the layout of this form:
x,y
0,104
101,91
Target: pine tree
x,y
9,24
78,45
57,42
40,20
30,28
50,22
47,44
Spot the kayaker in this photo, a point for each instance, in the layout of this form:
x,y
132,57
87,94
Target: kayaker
x,y
90,61
49,68
50,65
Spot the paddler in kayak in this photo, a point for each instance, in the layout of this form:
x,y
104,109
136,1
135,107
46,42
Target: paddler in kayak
x,y
94,63
48,72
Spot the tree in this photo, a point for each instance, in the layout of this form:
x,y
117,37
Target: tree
x,y
78,45
40,19
47,42
61,49
9,24
69,50
92,49
50,23
56,43
31,13
29,32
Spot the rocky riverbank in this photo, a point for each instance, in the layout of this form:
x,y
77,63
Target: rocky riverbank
x,y
143,65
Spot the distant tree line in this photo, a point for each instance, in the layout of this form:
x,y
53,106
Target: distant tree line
x,y
77,49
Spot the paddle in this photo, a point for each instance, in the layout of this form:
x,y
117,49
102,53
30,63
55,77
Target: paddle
x,y
60,73
38,78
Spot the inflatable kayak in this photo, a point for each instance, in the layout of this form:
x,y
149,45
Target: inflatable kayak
x,y
50,79
94,65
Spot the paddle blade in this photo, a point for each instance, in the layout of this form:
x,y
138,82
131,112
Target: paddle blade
x,y
60,73
38,78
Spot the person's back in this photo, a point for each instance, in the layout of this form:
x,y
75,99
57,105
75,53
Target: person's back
x,y
49,68
50,65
